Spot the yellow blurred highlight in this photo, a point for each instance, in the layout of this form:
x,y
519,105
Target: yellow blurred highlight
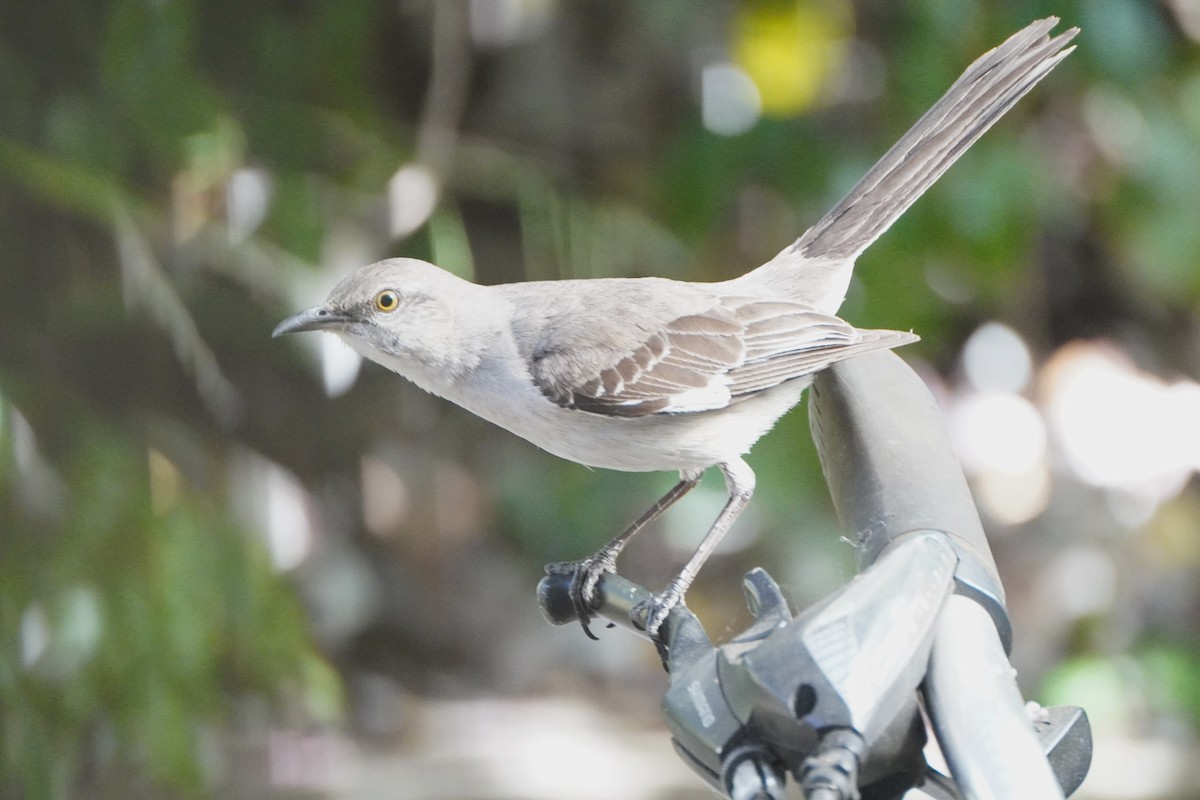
x,y
165,482
790,50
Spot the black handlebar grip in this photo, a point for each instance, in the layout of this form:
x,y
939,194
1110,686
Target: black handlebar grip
x,y
554,596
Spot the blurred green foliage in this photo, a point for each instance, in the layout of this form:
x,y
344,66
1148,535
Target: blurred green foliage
x,y
1154,681
131,608
139,609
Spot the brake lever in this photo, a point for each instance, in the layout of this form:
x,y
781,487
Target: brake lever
x,y
836,684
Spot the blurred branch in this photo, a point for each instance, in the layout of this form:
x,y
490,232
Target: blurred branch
x,y
446,94
98,198
146,287
415,188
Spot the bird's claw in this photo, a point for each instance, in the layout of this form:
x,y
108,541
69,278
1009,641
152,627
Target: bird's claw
x,y
650,614
585,576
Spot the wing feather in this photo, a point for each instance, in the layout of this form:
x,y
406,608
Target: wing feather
x,y
703,361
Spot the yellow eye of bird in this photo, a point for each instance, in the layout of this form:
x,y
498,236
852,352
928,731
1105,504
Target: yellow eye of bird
x,y
387,300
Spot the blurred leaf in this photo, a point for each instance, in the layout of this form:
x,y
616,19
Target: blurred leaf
x,y
1154,219
66,186
1098,684
1172,680
1119,691
1122,40
146,66
295,216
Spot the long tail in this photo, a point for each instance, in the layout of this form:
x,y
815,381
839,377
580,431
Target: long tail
x,y
816,268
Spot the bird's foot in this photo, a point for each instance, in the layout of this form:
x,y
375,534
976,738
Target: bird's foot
x,y
650,614
585,575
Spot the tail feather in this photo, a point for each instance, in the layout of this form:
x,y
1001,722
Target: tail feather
x,y
816,267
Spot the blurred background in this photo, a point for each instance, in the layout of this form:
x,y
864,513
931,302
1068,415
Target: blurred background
x,y
242,568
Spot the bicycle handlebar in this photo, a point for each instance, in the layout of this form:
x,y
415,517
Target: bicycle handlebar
x,y
830,695
891,469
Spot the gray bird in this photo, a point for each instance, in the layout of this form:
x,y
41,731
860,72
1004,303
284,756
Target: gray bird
x,y
648,374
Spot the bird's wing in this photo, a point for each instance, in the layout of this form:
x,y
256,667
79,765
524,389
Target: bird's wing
x,y
787,340
722,349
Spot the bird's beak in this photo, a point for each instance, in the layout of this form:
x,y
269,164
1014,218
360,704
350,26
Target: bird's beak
x,y
318,318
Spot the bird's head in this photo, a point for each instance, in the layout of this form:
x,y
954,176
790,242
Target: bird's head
x,y
408,315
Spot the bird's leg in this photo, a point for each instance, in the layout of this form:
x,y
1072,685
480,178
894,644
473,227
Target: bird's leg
x,y
739,481
585,574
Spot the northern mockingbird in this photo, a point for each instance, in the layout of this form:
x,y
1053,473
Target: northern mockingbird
x,y
652,374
